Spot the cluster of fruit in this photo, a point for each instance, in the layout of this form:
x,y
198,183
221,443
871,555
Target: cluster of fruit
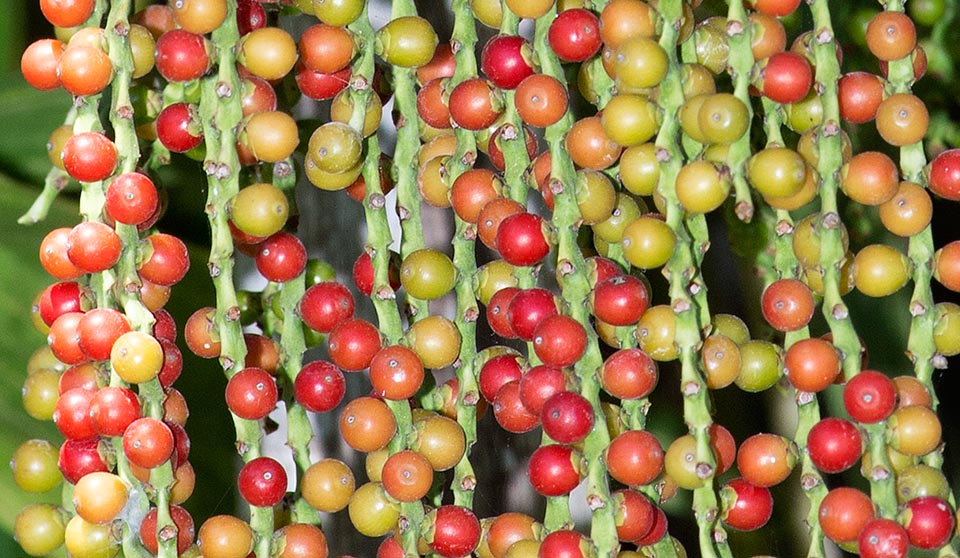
x,y
650,119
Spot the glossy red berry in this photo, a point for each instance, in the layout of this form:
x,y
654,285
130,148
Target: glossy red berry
x,y
929,522
132,199
179,128
262,482
869,397
455,530
505,60
89,156
747,507
883,538
496,372
620,300
93,246
567,417
786,77
520,239
944,173
554,470
559,340
834,445
182,56
325,305
319,386
281,257
251,393
575,35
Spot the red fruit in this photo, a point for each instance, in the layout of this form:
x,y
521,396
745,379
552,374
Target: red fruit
x,y
843,513
319,386
80,457
66,13
168,261
281,257
520,239
860,94
58,299
509,411
929,522
148,442
325,305
353,343
39,64
262,482
319,86
93,247
250,17
786,77
53,255
89,156
869,397
559,341
505,60
112,409
186,530
554,470
99,329
657,532
539,384
635,457
475,104
456,531
527,309
179,128
834,445
575,35
635,514
944,173
787,304
181,55
565,544
496,372
131,199
72,414
747,507
629,374
64,338
883,538
251,393
497,314
567,417
620,300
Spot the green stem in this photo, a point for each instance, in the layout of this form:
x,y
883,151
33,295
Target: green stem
x,y
682,270
739,36
575,288
465,260
221,114
831,248
920,345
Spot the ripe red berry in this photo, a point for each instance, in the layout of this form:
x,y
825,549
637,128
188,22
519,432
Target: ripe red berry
x,y
747,507
262,482
89,156
567,417
834,445
554,470
786,77
251,393
455,529
575,35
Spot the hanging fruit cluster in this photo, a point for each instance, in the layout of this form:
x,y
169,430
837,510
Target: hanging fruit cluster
x,y
578,155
